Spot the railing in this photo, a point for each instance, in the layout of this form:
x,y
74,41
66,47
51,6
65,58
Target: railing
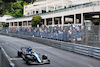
x,y
97,3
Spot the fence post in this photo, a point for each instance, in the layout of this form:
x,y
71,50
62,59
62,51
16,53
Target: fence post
x,y
86,35
72,38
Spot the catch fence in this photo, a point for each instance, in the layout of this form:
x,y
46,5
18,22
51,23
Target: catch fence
x,y
89,35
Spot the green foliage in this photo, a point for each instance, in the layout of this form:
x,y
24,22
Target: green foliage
x,y
9,0
96,21
13,7
4,6
17,9
1,8
17,5
36,20
28,1
5,25
25,3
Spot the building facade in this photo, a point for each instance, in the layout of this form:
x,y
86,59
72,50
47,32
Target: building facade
x,y
58,12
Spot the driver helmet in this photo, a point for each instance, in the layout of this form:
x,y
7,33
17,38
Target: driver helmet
x,y
29,49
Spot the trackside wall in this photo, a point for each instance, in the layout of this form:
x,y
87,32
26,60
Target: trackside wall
x,y
4,59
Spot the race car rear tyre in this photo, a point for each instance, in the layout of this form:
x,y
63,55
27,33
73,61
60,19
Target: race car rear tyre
x,y
19,53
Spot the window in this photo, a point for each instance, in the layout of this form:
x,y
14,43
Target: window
x,y
28,13
33,12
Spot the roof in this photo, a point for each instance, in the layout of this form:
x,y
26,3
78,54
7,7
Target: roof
x,y
5,17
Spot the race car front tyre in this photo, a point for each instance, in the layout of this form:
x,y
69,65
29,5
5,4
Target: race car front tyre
x,y
19,53
44,57
48,62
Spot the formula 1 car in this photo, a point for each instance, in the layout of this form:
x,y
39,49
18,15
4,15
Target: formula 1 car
x,y
31,57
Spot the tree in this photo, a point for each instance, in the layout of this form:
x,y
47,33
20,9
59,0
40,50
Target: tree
x,y
9,0
19,0
17,9
36,20
12,7
4,6
28,1
5,25
96,21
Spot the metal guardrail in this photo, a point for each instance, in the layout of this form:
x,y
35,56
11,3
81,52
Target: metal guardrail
x,y
97,3
5,59
78,48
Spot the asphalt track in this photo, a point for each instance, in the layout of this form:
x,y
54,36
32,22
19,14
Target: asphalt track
x,y
59,58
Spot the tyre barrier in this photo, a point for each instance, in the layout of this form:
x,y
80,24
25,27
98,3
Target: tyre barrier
x,y
78,48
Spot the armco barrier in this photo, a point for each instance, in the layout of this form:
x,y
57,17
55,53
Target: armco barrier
x,y
4,59
96,52
67,46
82,49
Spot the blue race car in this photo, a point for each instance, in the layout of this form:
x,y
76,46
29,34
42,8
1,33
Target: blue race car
x,y
31,57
